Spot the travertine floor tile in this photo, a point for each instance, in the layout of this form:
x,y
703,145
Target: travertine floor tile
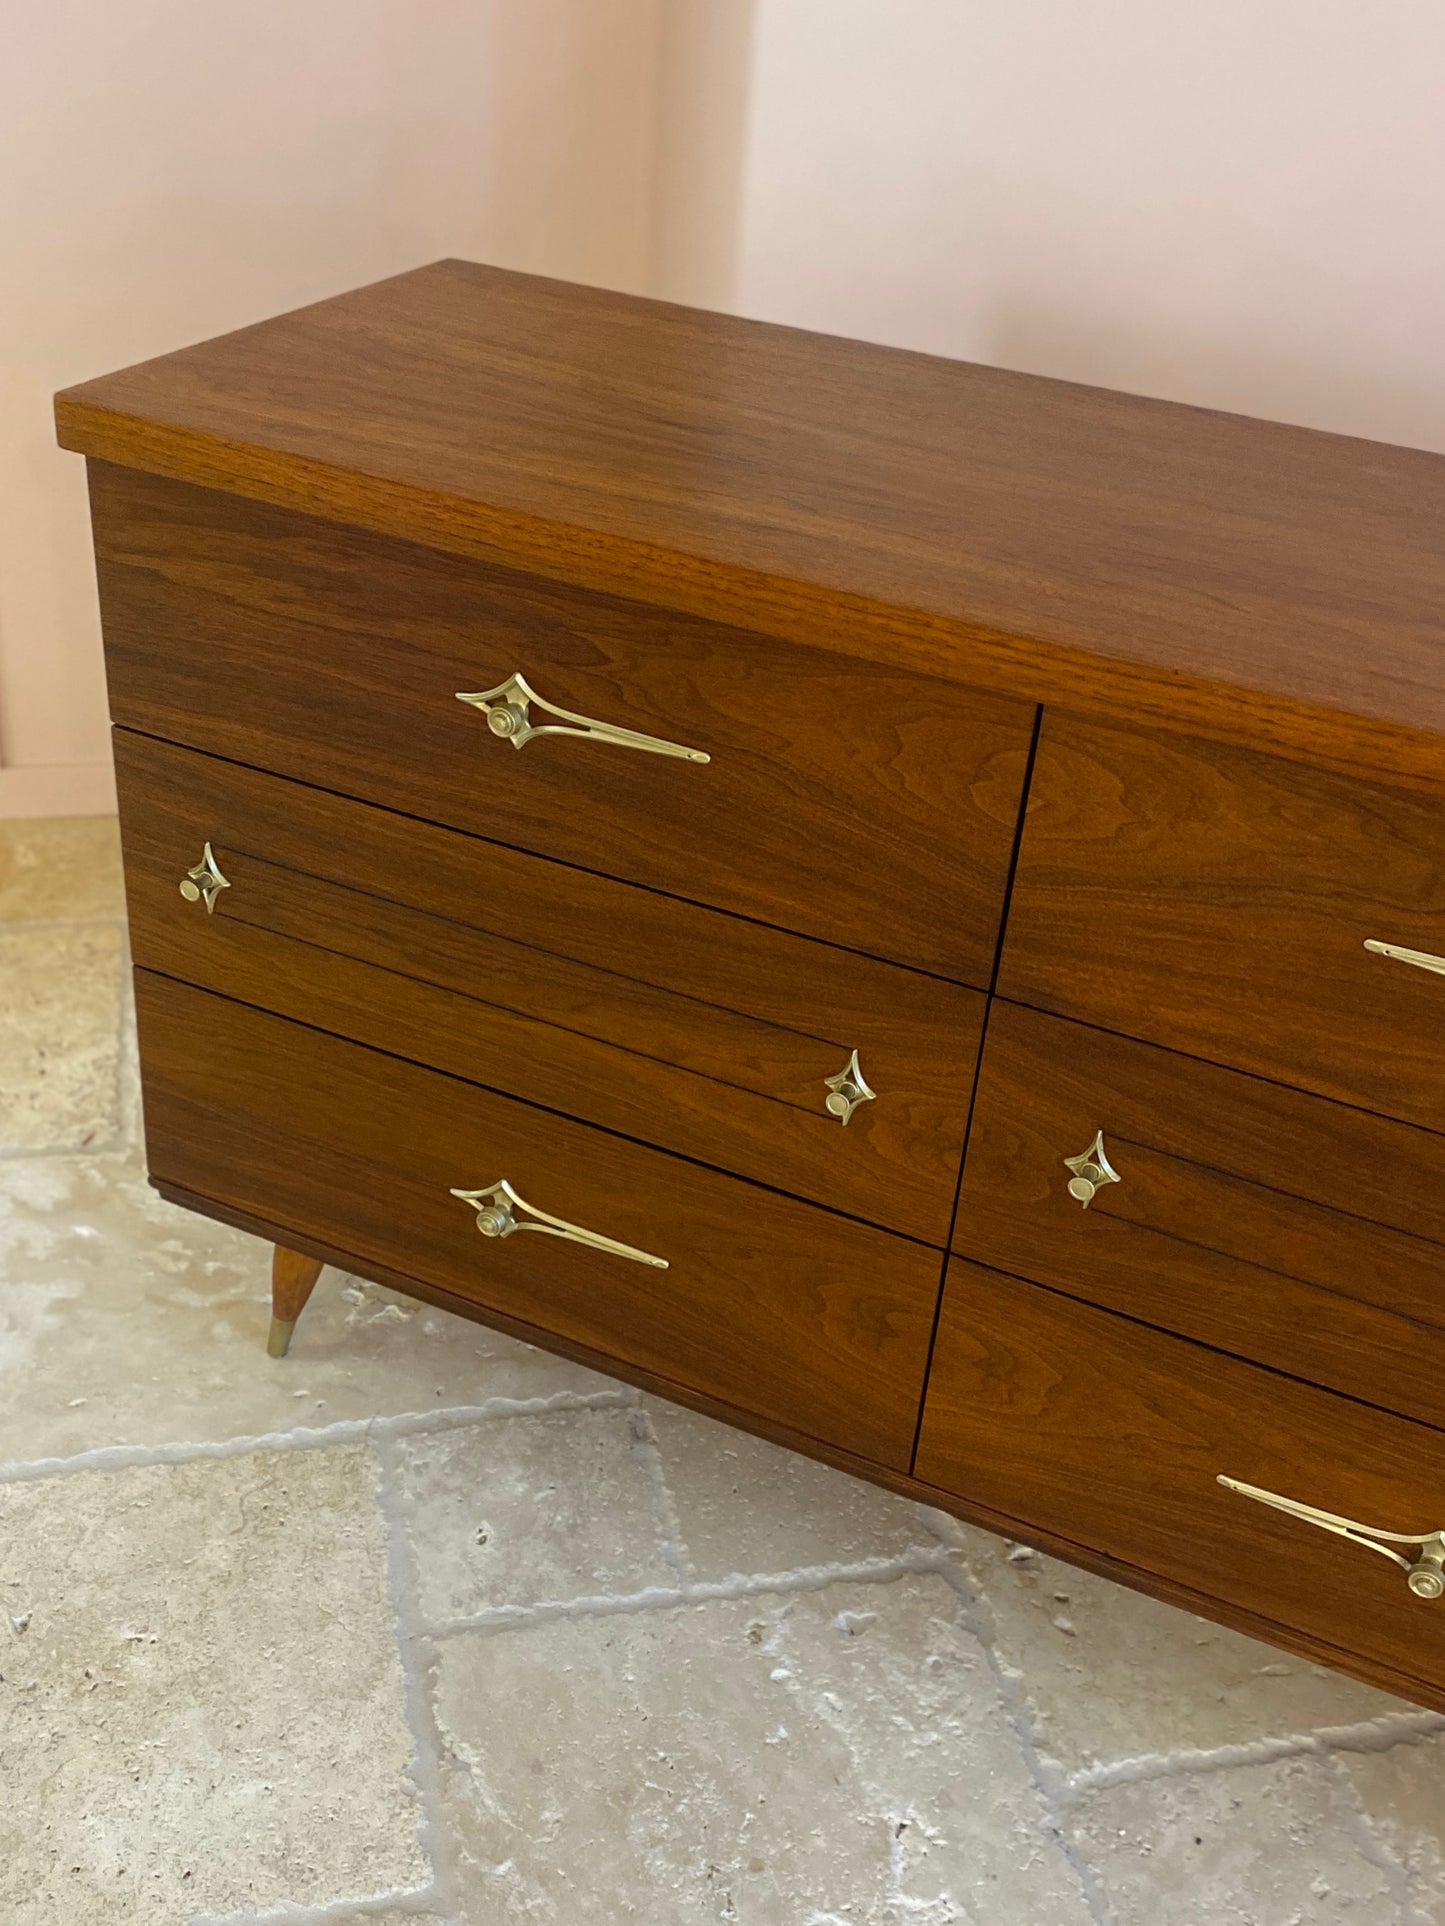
x,y
518,1511
126,1321
204,1710
829,1756
369,1918
60,869
1265,1845
1110,1674
59,1017
1403,1795
742,1505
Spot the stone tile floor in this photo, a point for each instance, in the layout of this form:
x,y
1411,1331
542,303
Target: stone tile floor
x,y
421,1624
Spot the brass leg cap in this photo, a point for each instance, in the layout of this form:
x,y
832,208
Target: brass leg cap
x,y
280,1339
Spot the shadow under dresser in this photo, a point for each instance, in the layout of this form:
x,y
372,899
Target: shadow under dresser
x,y
898,903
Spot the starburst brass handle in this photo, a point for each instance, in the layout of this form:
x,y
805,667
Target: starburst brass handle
x,y
1424,1574
1091,1171
508,709
847,1090
205,882
501,1212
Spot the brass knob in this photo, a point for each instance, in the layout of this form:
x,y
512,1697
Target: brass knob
x,y
204,882
1426,1580
506,719
1091,1171
846,1090
494,1220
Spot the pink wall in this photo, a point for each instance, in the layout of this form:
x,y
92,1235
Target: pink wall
x,y
1240,204
170,170
1237,204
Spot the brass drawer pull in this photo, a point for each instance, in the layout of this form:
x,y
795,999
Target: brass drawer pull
x,y
205,882
847,1090
508,709
1425,1575
1421,959
497,1208
1092,1170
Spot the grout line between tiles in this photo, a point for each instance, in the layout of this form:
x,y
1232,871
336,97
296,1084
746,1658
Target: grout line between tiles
x,y
117,1144
976,1617
652,1598
113,922
418,1658
669,1527
312,1438
410,1904
1371,1847
1371,1735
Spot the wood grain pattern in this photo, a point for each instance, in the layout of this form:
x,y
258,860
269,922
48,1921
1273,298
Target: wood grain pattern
x,y
1257,1219
867,807
1264,583
1218,902
776,1306
678,1026
1099,1427
293,1279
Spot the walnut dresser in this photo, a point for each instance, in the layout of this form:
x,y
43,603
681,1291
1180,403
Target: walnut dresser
x,y
897,903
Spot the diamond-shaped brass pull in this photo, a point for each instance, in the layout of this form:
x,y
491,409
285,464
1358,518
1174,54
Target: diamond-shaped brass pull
x,y
205,882
1092,1170
847,1090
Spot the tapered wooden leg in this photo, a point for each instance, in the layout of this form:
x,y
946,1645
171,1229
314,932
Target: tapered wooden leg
x,y
293,1278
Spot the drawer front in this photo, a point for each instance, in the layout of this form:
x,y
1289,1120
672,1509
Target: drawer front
x,y
1258,1219
692,1030
774,1306
1074,1421
1219,902
868,807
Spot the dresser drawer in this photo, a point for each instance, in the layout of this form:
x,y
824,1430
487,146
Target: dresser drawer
x,y
1072,1421
1219,901
1255,1218
867,806
684,1027
775,1307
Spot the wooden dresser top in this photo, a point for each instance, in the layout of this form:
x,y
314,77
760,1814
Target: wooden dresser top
x,y
1249,581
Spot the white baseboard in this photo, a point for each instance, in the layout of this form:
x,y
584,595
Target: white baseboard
x,y
58,789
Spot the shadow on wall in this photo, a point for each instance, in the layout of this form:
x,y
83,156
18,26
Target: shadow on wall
x,y
704,72
1210,371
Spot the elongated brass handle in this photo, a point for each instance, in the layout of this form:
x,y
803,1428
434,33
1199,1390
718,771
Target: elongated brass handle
x,y
1425,1574
1091,1171
498,1204
1422,959
508,709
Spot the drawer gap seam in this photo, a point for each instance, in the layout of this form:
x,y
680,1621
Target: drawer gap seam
x,y
668,896
563,1116
1193,1056
989,998
1202,1344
